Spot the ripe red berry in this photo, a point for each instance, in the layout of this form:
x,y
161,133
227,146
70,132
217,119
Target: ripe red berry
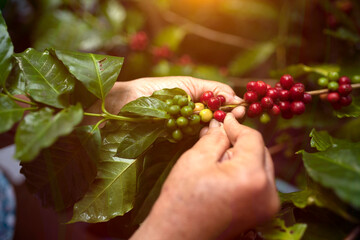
x,y
344,80
287,81
219,115
307,98
345,101
184,60
344,89
297,92
139,41
206,96
222,99
333,97
273,93
162,52
287,114
284,95
268,86
336,105
297,107
250,97
285,106
275,110
332,21
260,88
213,103
250,86
267,103
254,110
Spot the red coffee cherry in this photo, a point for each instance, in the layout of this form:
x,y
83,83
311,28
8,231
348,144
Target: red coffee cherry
x,y
260,88
250,97
219,115
344,80
307,98
222,99
273,93
275,110
297,92
254,110
267,103
287,81
162,52
333,97
213,103
250,86
284,95
285,106
344,89
336,105
206,96
297,107
287,114
139,41
345,101
268,86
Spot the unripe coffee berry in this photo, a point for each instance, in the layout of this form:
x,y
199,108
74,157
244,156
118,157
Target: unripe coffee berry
x,y
222,99
297,107
191,104
213,103
206,96
286,81
333,97
333,86
272,93
183,101
254,110
182,122
174,109
260,88
333,76
344,80
194,119
186,111
177,135
250,97
355,79
206,115
171,123
250,86
265,118
323,82
307,98
344,89
219,115
345,101
267,103
198,107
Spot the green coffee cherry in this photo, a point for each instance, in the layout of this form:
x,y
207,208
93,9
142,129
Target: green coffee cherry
x,y
188,130
169,102
176,98
206,115
194,119
355,79
182,122
171,123
183,101
186,111
191,104
333,86
323,82
265,118
174,109
177,135
333,76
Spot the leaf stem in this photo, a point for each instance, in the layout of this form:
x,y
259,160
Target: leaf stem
x,y
94,114
98,124
322,91
17,99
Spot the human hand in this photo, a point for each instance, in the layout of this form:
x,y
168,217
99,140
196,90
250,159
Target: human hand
x,y
124,92
216,191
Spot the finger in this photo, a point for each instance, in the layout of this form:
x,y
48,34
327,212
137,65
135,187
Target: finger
x,y
269,166
238,112
213,144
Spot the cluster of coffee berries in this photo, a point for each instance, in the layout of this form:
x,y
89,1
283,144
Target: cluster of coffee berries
x,y
183,120
339,90
139,41
213,103
286,98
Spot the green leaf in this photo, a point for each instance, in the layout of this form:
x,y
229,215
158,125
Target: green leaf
x,y
167,93
47,80
347,130
115,14
10,113
252,58
111,194
276,230
350,111
171,36
62,173
337,168
15,82
41,129
6,51
322,140
249,9
301,69
97,72
343,34
147,106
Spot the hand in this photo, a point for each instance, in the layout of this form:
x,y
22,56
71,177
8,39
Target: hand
x,y
216,191
124,92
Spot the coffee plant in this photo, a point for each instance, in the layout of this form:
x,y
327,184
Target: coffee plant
x,y
117,166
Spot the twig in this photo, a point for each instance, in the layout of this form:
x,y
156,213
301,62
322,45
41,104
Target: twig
x,y
354,233
207,33
321,91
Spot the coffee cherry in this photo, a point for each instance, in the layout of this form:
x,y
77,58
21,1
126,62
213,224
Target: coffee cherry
x,y
286,81
297,92
344,89
188,130
139,41
265,118
332,21
345,101
268,86
250,97
275,110
194,119
183,101
260,88
287,114
206,115
174,109
162,52
186,111
355,79
297,107
333,86
169,102
272,93
191,104
344,80
219,115
336,105
333,76
182,122
254,110
323,97
278,86
177,135
213,103
222,99
323,82
267,103
250,86
284,95
198,107
285,106
206,96
176,98
333,97
307,98
171,123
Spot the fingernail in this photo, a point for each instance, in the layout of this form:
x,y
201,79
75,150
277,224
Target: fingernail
x,y
237,100
214,124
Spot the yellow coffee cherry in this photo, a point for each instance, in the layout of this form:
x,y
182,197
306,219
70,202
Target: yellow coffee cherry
x,y
198,107
206,115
